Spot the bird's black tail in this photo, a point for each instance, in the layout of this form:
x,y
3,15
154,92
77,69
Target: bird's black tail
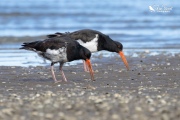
x,y
29,46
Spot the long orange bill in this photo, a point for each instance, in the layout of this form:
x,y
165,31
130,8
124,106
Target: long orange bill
x,y
88,62
124,59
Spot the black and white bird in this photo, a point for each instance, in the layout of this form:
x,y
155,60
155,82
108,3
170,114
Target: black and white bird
x,y
95,41
60,50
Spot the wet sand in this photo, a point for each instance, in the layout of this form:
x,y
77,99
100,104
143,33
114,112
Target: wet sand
x,y
150,90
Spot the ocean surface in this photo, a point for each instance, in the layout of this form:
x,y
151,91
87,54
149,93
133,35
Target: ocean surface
x,y
139,25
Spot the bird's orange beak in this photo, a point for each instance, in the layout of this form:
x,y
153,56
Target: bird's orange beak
x,y
88,63
124,59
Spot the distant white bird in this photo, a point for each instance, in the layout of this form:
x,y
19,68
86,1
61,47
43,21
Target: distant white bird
x,y
151,9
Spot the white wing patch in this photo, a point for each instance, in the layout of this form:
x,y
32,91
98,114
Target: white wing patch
x,y
58,55
91,45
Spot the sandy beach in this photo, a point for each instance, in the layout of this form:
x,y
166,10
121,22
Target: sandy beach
x,y
149,90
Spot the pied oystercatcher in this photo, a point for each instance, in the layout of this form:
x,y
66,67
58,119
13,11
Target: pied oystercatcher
x,y
60,49
95,41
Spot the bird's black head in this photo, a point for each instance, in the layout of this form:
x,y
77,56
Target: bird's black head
x,y
106,43
85,53
112,46
118,46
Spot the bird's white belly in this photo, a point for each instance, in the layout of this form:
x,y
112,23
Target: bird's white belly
x,y
58,55
91,45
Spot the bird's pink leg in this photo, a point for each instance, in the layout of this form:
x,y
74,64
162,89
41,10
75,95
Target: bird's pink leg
x,y
62,73
85,66
53,75
64,77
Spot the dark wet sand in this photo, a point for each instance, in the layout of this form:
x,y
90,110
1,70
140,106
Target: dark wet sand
x,y
149,91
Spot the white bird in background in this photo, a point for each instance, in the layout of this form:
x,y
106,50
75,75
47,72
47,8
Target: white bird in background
x,y
151,9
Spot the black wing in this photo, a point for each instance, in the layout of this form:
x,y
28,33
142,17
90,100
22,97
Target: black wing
x,y
51,43
85,35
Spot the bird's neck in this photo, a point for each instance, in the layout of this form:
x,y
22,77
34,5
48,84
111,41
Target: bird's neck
x,y
104,44
73,54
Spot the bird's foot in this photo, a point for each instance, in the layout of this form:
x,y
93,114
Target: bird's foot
x,y
58,81
86,70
